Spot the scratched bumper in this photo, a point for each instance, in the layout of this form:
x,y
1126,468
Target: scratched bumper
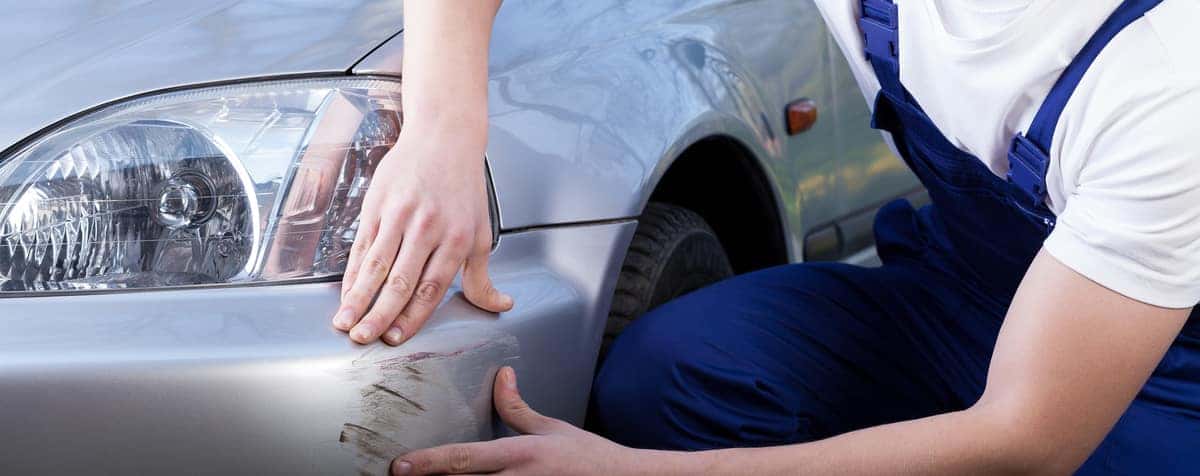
x,y
255,381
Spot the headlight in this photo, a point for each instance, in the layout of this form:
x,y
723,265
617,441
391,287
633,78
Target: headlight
x,y
233,184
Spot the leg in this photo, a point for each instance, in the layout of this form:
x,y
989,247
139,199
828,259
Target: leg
x,y
1148,439
792,354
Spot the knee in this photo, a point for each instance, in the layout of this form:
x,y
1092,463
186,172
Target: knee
x,y
669,383
636,363
634,383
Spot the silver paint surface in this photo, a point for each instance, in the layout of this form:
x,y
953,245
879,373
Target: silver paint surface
x,y
255,381
591,101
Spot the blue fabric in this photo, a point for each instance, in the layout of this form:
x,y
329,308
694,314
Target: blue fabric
x,y
1029,156
807,351
1041,130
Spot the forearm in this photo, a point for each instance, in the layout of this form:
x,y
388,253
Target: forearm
x,y
445,65
966,442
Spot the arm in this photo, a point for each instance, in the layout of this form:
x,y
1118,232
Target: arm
x,y
425,215
1070,358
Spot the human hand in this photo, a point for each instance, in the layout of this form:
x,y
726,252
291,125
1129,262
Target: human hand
x,y
546,447
424,217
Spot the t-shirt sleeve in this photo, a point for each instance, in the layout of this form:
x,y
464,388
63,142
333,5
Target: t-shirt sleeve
x,y
1131,220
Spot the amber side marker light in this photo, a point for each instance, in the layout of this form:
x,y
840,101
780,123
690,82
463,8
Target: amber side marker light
x,y
801,115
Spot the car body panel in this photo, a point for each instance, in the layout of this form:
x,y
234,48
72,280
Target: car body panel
x,y
590,102
595,113
255,381
65,57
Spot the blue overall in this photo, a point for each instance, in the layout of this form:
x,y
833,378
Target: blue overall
x,y
807,351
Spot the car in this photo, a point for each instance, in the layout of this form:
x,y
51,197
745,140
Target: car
x,y
180,180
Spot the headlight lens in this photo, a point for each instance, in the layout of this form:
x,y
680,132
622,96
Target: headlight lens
x,y
233,184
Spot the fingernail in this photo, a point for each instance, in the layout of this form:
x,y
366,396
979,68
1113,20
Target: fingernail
x,y
343,319
506,300
402,468
362,332
394,335
510,377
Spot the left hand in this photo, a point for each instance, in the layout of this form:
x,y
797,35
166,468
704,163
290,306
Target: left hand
x,y
425,216
546,446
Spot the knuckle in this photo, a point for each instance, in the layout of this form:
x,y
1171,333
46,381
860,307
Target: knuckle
x,y
375,265
458,239
406,208
517,407
460,459
482,290
356,296
398,284
428,291
427,222
360,246
483,247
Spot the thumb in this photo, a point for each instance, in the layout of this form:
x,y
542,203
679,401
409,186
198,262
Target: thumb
x,y
477,285
513,409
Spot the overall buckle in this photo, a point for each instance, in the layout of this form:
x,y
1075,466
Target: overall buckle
x,y
1027,166
880,29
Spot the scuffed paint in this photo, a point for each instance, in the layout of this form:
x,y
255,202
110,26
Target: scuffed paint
x,y
422,398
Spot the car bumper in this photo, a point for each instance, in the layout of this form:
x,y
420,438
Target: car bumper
x,y
255,380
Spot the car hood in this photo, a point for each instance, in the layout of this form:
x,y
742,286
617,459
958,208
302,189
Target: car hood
x,y
63,57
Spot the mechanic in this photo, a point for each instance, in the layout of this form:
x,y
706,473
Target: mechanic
x,y
1033,319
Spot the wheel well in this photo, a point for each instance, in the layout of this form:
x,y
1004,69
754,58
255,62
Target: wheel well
x,y
720,180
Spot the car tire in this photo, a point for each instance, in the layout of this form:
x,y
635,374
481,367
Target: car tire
x,y
673,252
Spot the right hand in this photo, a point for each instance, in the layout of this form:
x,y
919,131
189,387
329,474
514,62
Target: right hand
x,y
546,446
424,217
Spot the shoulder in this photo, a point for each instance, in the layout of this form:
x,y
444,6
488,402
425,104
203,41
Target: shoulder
x,y
1145,83
1174,26
1155,53
1126,162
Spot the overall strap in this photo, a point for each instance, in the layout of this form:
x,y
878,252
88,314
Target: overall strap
x,y
879,23
1029,156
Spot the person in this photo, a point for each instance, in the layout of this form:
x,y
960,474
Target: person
x,y
1034,318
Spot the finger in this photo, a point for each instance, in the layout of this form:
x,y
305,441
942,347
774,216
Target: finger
x,y
368,227
435,279
514,411
395,294
480,457
477,285
374,269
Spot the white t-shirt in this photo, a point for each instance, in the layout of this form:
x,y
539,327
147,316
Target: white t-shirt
x,y
1124,176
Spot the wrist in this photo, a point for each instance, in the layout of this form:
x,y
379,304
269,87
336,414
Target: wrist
x,y
462,136
446,117
438,109
463,133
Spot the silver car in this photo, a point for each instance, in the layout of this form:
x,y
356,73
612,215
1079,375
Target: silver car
x,y
179,184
